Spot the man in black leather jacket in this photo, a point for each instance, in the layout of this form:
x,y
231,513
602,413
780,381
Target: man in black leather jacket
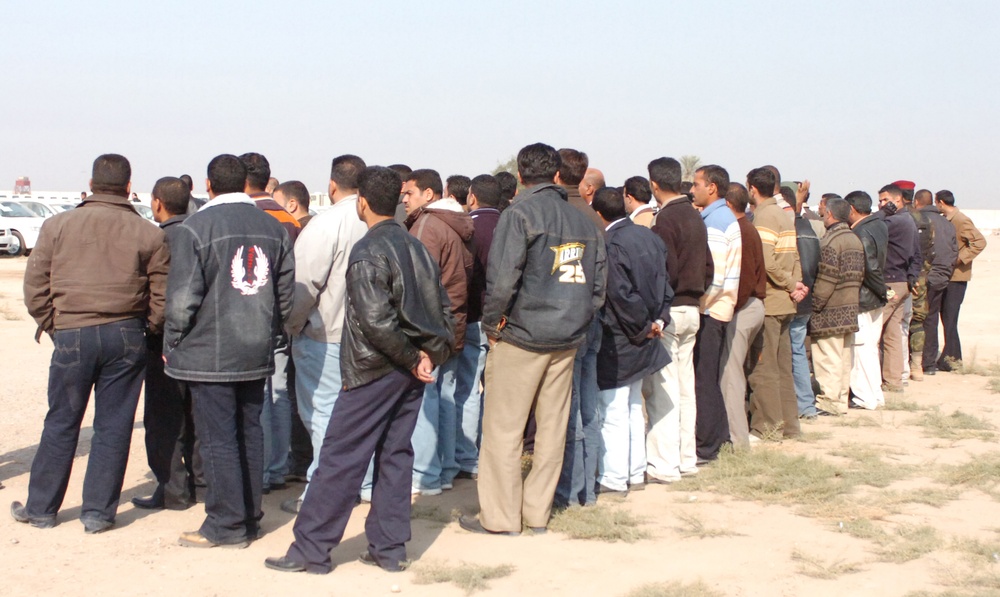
x,y
866,376
398,327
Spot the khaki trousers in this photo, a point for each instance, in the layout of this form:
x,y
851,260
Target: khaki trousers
x,y
516,380
892,335
773,404
833,358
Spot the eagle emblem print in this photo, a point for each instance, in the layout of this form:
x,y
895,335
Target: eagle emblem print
x,y
255,262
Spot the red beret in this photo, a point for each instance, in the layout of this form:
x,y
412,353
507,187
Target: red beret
x,y
906,185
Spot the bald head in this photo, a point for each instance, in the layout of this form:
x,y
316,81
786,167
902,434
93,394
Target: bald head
x,y
923,198
592,182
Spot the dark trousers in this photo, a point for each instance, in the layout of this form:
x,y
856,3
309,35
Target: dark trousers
x,y
227,416
711,421
951,304
930,325
300,453
578,478
377,418
108,359
170,440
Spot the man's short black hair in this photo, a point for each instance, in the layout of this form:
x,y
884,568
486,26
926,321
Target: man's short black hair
x,y
258,171
538,163
425,178
946,197
402,170
892,189
737,197
173,195
293,189
186,178
345,170
486,189
638,187
227,174
838,208
610,203
716,175
777,178
828,196
458,187
380,187
926,193
666,173
763,180
508,185
860,201
789,196
111,174
574,166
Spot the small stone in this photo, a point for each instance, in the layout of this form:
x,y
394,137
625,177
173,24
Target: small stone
x,y
692,498
395,589
15,542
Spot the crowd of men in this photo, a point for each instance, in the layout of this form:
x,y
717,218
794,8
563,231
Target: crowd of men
x,y
422,331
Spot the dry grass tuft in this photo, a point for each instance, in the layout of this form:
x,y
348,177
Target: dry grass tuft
x,y
813,566
909,543
814,437
9,314
468,577
957,425
431,513
982,551
982,472
899,404
600,522
674,589
868,467
857,421
692,526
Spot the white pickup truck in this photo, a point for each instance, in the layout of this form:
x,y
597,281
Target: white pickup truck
x,y
23,226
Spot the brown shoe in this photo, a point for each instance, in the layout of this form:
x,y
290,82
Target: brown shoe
x,y
196,539
916,374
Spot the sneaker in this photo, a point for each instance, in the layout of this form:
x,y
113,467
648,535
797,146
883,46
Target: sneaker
x,y
426,492
447,486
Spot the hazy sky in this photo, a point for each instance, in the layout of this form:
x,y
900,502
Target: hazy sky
x,y
848,94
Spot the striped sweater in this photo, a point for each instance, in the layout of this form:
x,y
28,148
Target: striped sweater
x,y
781,257
726,246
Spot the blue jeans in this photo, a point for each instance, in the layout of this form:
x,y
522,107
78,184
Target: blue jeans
x,y
800,366
111,360
469,397
227,417
434,436
583,433
276,420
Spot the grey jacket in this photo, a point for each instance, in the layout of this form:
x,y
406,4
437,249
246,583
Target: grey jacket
x,y
945,247
546,277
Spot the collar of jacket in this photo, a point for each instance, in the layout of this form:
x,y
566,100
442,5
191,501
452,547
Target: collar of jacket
x,y
766,202
932,209
863,220
173,220
229,199
109,200
838,226
384,223
712,207
483,210
563,194
619,223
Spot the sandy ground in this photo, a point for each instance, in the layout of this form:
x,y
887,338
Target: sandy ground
x,y
140,555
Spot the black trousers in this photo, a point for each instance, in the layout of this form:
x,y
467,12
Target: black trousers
x,y
300,452
377,418
227,416
170,439
711,422
930,325
951,304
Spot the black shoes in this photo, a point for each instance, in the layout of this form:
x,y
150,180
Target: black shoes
x,y
474,526
284,564
93,526
291,506
368,558
269,487
467,475
18,513
152,502
603,490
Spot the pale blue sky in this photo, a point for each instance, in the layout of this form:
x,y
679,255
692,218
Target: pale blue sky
x,y
848,94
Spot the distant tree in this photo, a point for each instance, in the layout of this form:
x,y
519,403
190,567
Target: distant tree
x,y
509,166
689,163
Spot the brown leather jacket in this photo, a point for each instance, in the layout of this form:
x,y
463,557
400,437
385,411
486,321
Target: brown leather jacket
x,y
96,264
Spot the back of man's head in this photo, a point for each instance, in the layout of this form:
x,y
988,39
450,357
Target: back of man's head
x,y
173,194
828,196
272,183
294,189
227,174
486,189
380,187
838,209
666,173
574,166
111,174
762,179
860,201
923,197
538,163
186,178
508,185
401,169
345,170
425,178
737,197
777,179
789,196
258,171
610,203
946,197
458,187
638,188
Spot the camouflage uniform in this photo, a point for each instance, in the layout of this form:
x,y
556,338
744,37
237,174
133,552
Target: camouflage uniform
x,y
925,231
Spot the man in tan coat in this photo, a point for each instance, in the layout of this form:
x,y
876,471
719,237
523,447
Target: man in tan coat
x,y
970,243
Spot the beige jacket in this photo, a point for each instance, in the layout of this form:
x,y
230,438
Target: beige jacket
x,y
781,256
971,242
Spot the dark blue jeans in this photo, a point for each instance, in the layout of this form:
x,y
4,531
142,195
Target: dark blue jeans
x,y
110,360
375,419
227,417
583,434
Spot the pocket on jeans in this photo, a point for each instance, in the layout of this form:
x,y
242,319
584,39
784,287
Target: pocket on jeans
x,y
66,348
134,345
